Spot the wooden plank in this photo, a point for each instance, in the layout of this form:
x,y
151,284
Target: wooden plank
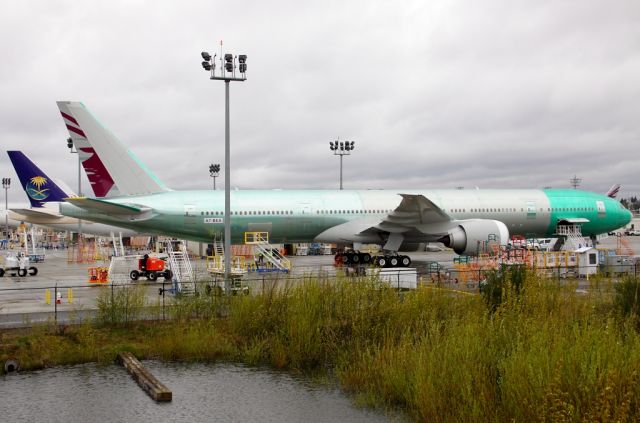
x,y
148,382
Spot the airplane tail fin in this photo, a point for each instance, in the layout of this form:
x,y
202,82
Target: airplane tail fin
x,y
39,187
112,168
613,191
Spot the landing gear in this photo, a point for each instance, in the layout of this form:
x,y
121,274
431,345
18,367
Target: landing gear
x,y
352,257
349,258
392,260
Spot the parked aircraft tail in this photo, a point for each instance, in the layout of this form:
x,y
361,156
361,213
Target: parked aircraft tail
x,y
100,150
39,187
613,191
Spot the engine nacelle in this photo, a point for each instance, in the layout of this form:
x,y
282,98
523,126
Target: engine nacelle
x,y
469,236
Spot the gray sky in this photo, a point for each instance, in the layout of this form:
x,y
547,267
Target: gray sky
x,y
436,94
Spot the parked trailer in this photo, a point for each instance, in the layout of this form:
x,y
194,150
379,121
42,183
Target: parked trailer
x,y
18,265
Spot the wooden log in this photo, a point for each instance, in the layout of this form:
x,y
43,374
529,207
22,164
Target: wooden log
x,y
144,378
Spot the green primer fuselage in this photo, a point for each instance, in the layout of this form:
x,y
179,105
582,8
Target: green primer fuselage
x,y
301,215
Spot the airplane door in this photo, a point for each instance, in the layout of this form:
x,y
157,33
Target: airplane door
x,y
602,211
531,209
306,221
189,214
305,209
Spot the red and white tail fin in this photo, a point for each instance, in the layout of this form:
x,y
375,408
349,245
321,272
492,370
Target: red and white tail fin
x,y
112,169
613,191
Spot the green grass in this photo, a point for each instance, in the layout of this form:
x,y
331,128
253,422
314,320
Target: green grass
x,y
532,350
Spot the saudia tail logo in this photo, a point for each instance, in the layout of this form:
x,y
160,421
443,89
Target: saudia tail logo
x,y
35,188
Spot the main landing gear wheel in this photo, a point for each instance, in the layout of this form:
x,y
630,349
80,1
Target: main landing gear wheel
x,y
405,261
22,272
33,271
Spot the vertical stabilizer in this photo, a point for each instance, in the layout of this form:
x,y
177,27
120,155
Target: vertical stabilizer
x,y
39,187
111,168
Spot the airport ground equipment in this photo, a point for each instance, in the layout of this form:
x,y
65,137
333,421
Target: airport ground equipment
x,y
120,268
18,265
399,278
98,275
152,268
267,258
182,272
623,246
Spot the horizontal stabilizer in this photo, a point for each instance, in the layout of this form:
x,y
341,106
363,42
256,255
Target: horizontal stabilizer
x,y
38,213
126,211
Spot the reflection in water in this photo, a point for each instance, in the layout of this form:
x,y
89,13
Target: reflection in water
x,y
201,393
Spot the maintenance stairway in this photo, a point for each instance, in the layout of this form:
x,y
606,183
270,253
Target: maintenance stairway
x,y
263,251
183,278
571,238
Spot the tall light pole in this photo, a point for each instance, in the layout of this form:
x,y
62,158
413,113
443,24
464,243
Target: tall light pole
x,y
6,182
341,148
214,171
575,182
227,74
75,151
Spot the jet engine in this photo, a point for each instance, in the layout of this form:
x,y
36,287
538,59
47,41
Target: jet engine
x,y
470,235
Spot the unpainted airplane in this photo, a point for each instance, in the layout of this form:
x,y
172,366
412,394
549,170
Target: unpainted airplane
x,y
396,219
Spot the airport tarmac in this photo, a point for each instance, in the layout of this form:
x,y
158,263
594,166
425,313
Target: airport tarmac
x,y
23,299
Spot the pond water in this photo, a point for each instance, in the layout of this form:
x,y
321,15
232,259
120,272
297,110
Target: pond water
x,y
201,393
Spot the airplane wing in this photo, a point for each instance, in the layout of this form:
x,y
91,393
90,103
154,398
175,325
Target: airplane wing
x,y
415,215
37,213
413,211
123,211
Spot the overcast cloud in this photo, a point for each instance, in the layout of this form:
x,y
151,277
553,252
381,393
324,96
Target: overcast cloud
x,y
435,94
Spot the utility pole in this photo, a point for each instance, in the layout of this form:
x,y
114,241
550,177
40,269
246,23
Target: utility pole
x,y
6,182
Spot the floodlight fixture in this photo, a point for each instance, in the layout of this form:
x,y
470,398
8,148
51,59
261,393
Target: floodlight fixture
x,y
341,148
206,56
228,62
214,170
242,59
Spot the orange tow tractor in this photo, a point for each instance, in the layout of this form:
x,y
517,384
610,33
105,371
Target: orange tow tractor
x,y
152,268
98,275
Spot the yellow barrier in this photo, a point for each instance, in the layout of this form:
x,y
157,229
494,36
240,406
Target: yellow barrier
x,y
256,237
47,297
70,295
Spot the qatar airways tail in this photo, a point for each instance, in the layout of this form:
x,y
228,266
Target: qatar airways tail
x,y
113,170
